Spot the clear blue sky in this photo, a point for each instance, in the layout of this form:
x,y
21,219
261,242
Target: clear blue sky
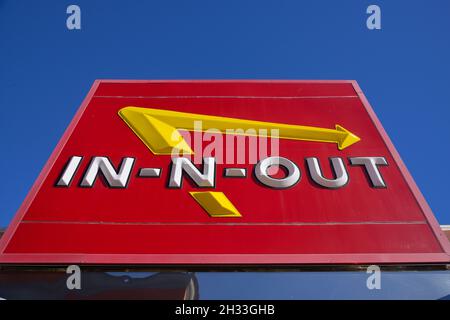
x,y
46,70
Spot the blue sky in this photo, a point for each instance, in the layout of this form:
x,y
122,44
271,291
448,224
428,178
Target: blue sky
x,y
46,70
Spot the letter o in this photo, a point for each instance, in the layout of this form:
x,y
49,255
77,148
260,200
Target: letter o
x,y
293,176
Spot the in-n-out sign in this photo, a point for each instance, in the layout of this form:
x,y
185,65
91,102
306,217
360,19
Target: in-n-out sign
x,y
206,177
160,129
128,185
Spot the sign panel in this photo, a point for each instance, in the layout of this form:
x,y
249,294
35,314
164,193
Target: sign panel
x,y
224,172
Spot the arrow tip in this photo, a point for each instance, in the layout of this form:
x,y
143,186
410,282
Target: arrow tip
x,y
348,139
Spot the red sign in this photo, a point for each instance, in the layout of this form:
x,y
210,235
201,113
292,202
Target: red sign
x,y
184,172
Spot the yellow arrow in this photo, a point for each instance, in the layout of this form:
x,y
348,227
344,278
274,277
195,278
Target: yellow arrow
x,y
216,204
158,129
